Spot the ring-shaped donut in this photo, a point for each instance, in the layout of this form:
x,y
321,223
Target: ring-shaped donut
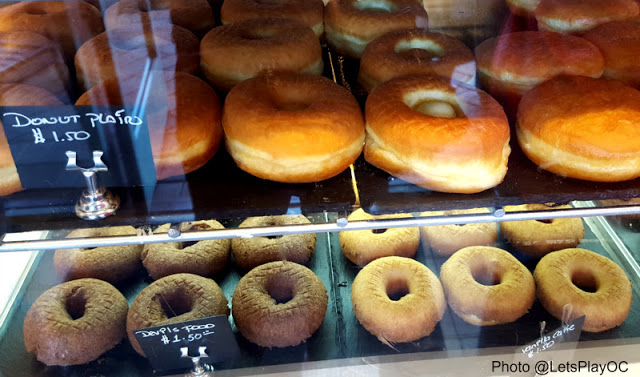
x,y
578,16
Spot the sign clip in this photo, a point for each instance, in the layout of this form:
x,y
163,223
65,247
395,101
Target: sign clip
x,y
198,369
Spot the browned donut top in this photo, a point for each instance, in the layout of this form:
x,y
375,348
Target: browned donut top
x,y
308,12
619,42
579,15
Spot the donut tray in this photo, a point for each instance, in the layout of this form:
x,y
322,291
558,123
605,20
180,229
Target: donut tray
x,y
340,337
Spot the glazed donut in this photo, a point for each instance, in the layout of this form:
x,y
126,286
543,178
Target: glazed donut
x,y
445,240
204,258
292,128
240,51
252,252
415,52
279,304
18,95
110,263
308,12
524,8
590,283
172,299
193,15
184,121
351,24
439,134
122,53
391,320
540,237
596,141
487,286
578,16
68,23
75,322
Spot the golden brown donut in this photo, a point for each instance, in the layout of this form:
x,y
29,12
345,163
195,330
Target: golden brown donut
x,y
237,52
415,52
540,237
578,16
308,12
292,128
172,299
593,286
487,286
279,304
441,135
252,252
411,317
204,258
123,53
75,322
523,8
445,240
183,118
363,246
599,140
351,24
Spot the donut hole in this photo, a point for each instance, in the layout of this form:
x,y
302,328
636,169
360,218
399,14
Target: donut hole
x,y
194,228
258,34
150,6
75,304
419,49
397,288
434,103
175,303
584,280
35,11
283,102
378,231
374,6
274,237
268,2
485,275
545,221
280,289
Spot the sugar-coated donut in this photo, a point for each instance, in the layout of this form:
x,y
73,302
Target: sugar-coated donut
x,y
184,121
436,133
599,140
351,24
523,8
172,299
237,52
204,258
416,51
308,12
578,16
252,252
279,304
292,128
487,286
363,246
593,286
412,316
445,240
75,322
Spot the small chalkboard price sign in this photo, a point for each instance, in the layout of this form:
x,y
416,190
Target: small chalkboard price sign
x,y
162,344
567,332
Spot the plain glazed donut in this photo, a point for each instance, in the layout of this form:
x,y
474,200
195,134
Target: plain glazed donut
x,y
596,141
292,128
75,322
523,8
236,52
363,246
308,12
439,134
445,240
252,252
590,283
279,304
540,237
406,319
172,299
351,24
487,286
415,52
578,16
184,121
204,258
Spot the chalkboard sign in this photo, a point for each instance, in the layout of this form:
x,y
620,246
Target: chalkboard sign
x,y
39,137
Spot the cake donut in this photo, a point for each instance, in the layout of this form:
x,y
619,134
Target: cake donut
x,y
351,24
436,133
413,316
236,52
204,258
172,299
540,237
75,322
578,16
363,246
292,128
279,304
487,286
596,141
252,252
414,52
590,284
